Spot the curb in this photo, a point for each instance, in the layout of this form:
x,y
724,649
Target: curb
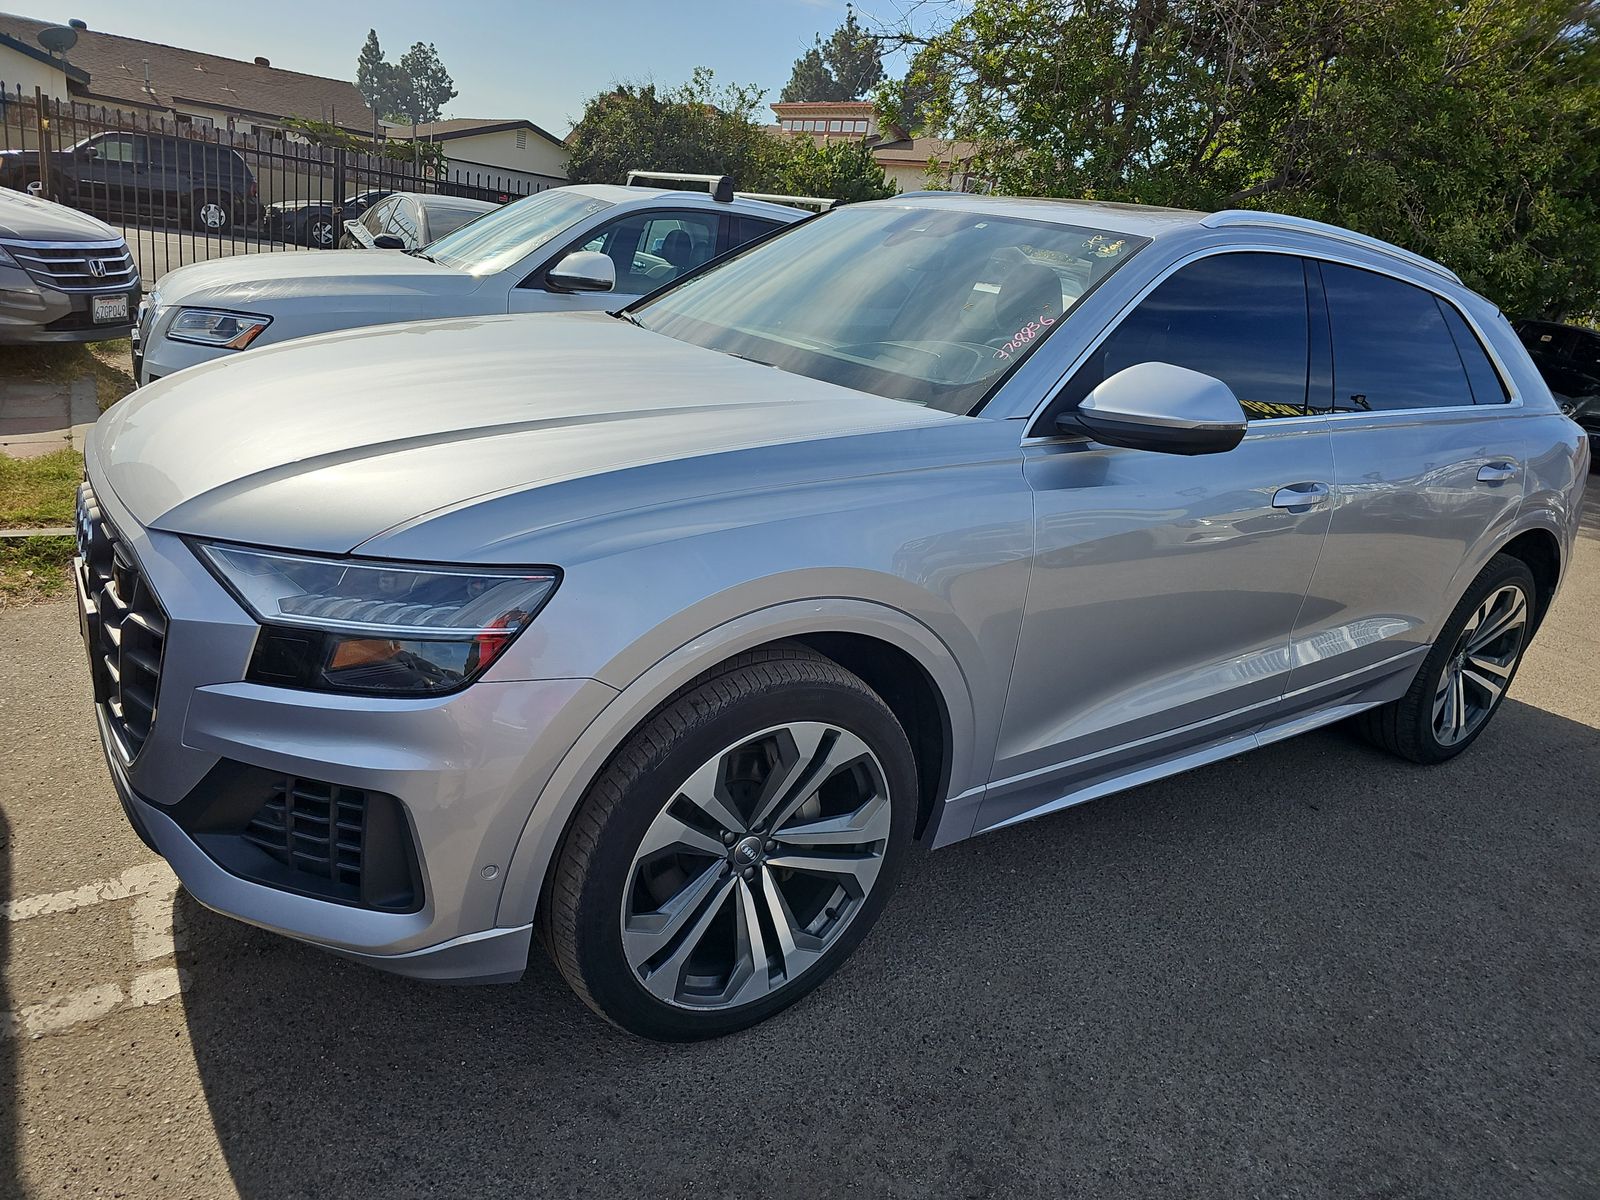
x,y
52,531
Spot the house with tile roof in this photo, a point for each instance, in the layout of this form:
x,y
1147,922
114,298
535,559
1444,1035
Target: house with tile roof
x,y
206,93
907,161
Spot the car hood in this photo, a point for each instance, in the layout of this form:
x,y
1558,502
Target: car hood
x,y
30,219
325,443
247,279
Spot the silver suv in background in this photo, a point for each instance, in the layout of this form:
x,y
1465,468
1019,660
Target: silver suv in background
x,y
64,276
579,248
670,632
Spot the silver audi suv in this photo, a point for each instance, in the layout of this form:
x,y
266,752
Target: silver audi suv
x,y
667,634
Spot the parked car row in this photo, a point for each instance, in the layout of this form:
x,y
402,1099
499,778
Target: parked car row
x,y
663,602
578,248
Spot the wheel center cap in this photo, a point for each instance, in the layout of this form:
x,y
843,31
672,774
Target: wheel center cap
x,y
747,852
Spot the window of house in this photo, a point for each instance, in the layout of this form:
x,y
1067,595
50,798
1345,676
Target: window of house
x,y
836,125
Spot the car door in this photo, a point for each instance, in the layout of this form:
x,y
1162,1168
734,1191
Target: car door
x,y
648,248
1427,470
1165,588
110,173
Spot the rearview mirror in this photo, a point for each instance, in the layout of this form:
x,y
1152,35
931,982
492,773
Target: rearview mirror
x,y
583,271
1157,406
388,241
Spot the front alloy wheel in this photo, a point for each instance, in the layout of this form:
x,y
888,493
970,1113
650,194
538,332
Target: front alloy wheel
x,y
735,849
756,866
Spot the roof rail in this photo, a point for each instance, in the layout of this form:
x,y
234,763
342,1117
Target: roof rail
x,y
820,203
721,188
1272,220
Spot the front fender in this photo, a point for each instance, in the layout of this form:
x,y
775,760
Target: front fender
x,y
562,788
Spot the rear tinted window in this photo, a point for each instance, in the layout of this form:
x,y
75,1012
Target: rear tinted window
x,y
1391,346
1487,387
1240,318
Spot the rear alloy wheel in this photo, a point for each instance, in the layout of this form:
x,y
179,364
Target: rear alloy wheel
x,y
736,849
320,233
211,214
1467,673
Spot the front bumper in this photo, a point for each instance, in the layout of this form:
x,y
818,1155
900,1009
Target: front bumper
x,y
32,314
461,767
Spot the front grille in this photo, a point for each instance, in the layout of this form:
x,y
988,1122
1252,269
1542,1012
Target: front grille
x,y
125,627
313,827
77,266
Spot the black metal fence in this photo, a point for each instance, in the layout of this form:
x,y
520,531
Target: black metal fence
x,y
183,190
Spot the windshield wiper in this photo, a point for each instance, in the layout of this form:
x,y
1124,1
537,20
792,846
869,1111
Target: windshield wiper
x,y
419,252
629,318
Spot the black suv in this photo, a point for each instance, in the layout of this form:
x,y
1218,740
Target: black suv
x,y
1568,356
136,174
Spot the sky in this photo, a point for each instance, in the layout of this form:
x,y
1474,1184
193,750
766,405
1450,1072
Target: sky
x,y
540,59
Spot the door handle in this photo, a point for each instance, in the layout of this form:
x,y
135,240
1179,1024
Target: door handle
x,y
1497,472
1297,497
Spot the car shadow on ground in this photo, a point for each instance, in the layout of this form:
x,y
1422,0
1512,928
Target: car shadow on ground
x,y
1309,970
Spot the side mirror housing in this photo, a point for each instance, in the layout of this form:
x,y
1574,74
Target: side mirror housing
x,y
388,241
1159,407
583,271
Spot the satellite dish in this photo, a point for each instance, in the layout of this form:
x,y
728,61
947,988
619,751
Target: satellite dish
x,y
58,39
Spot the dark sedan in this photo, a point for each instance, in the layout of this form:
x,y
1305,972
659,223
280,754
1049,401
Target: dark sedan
x,y
315,222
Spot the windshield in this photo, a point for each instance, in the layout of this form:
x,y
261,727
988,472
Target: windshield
x,y
498,240
932,306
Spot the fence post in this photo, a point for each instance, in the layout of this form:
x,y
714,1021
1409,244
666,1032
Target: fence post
x,y
44,143
340,190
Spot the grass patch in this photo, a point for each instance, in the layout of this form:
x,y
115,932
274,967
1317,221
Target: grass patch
x,y
109,364
35,568
39,491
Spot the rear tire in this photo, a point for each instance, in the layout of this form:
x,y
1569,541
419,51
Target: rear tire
x,y
679,918
212,213
1467,673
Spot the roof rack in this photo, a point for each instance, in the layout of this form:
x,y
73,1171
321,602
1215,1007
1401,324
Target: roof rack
x,y
820,203
1272,220
721,186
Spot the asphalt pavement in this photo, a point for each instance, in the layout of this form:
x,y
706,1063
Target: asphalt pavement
x,y
1310,971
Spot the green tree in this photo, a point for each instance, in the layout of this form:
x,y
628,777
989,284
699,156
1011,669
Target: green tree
x,y
430,87
381,84
414,90
841,170
696,127
1464,129
845,67
810,79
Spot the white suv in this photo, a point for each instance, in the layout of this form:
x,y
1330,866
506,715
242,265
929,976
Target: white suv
x,y
590,246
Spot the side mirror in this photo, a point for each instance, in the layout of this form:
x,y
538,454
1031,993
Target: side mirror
x,y
1157,406
388,241
583,271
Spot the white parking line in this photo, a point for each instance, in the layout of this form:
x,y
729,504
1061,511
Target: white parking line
x,y
152,887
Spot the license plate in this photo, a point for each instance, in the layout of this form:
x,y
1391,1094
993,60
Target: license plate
x,y
109,310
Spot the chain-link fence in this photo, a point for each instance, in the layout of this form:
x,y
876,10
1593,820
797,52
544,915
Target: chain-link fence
x,y
181,191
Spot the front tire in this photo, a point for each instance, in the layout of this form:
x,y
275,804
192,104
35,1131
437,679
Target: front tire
x,y
1468,672
735,850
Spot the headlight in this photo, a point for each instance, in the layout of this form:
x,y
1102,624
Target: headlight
x,y
216,327
357,625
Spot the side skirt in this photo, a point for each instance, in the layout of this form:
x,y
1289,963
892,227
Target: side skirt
x,y
1327,704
